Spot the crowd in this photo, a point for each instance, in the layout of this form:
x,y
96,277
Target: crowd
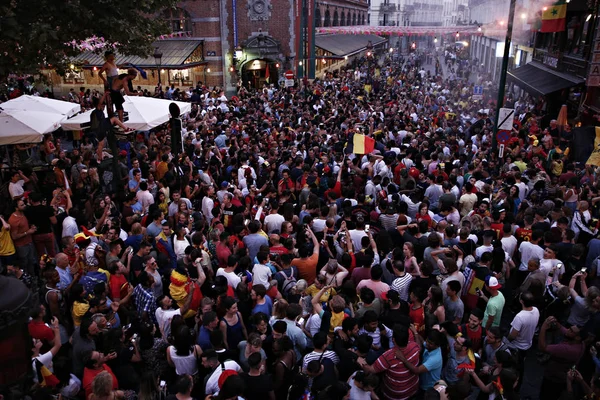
x,y
265,260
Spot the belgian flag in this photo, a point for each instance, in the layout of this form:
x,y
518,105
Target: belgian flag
x,y
360,144
554,17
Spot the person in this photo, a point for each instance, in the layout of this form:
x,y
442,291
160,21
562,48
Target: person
x,y
232,325
22,235
398,381
40,361
183,355
211,362
143,297
307,264
523,328
453,304
363,385
431,368
122,82
259,385
165,313
210,322
495,303
459,360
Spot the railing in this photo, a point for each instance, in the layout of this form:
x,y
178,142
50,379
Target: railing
x,y
387,8
561,62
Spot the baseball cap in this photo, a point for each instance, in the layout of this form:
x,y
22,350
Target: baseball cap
x,y
123,153
492,282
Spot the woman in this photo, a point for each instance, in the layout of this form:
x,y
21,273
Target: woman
x,y
279,311
435,306
411,266
284,366
150,387
161,201
180,242
248,347
183,355
583,307
102,388
514,195
287,230
423,214
231,324
334,273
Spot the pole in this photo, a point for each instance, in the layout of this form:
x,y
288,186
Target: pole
x,y
505,59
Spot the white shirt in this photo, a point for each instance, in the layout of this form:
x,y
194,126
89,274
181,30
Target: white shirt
x,y
212,384
528,251
273,222
207,205
509,244
232,279
261,275
356,236
145,198
163,318
525,322
69,227
16,189
45,359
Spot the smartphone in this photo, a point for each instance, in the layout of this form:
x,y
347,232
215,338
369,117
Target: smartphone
x,y
246,222
163,385
300,321
584,269
367,227
478,291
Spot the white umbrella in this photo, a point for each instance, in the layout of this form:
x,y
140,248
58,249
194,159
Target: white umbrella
x,y
79,121
19,126
43,104
146,113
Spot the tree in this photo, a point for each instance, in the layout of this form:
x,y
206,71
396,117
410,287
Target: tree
x,y
34,34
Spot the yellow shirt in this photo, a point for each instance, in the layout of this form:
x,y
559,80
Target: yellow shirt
x,y
78,311
312,291
7,247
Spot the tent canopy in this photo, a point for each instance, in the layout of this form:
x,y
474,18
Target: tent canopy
x,y
19,126
43,104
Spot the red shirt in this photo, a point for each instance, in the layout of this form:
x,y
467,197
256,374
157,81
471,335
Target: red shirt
x,y
523,234
398,382
90,374
499,227
118,286
39,330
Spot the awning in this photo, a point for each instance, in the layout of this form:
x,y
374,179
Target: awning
x,y
346,45
176,54
536,78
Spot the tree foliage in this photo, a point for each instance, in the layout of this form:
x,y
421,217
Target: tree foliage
x,y
34,33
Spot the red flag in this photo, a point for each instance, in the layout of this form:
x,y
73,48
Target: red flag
x,y
267,74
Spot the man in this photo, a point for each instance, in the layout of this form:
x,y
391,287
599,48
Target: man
x,y
155,227
69,274
208,204
307,265
399,383
262,302
535,274
528,250
375,284
523,327
95,364
143,297
210,322
293,331
254,240
431,369
382,335
83,343
495,303
210,360
137,261
320,343
43,217
69,224
228,272
458,360
492,344
453,304
15,187
563,356
22,235
473,329
434,191
151,267
124,82
144,196
134,184
164,312
183,388
274,220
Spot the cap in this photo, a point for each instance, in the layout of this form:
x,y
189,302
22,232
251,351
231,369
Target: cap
x,y
492,282
123,153
224,184
224,375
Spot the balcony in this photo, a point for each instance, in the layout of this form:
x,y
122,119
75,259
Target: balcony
x,y
387,8
561,62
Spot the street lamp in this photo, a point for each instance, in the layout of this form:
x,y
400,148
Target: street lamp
x,y
158,60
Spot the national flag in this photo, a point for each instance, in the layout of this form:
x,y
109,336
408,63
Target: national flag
x,y
360,144
140,70
554,18
267,74
45,377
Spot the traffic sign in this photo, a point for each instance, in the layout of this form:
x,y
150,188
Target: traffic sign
x,y
505,118
289,83
503,136
477,92
288,74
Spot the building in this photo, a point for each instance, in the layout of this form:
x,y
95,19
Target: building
x,y
557,68
234,42
418,13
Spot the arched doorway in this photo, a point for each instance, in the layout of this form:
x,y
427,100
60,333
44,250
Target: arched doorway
x,y
336,21
254,73
317,18
343,19
353,19
327,21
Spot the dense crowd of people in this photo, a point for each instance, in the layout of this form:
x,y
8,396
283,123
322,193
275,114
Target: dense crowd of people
x,y
265,260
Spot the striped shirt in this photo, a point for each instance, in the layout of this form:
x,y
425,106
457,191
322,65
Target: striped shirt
x,y
313,355
401,285
398,382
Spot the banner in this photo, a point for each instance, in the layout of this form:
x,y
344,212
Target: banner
x,y
595,156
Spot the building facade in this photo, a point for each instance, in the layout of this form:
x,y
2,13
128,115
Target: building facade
x,y
418,13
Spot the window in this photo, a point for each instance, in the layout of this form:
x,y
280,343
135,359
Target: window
x,y
179,20
327,22
317,18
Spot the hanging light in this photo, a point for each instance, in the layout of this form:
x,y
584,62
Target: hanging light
x,y
435,39
457,35
277,65
391,49
300,63
479,28
231,69
501,23
523,16
95,68
208,70
323,61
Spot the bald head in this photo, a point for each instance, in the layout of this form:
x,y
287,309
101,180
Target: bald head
x,y
62,260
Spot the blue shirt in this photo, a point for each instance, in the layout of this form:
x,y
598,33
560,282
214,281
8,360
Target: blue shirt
x,y
204,339
65,278
154,229
432,360
264,308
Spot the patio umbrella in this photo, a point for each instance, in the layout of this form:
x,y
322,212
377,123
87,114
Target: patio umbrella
x,y
561,120
146,113
77,122
19,126
43,104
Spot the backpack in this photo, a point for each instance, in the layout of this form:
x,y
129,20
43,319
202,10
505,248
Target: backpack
x,y
288,281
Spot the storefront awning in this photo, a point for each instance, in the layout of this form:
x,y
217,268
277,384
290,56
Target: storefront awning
x,y
176,54
536,78
346,45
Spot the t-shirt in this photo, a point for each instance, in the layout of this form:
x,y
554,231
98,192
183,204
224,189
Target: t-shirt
x,y
257,387
90,374
307,267
164,317
377,287
16,189
432,360
118,286
40,217
525,322
357,393
232,279
528,251
401,285
454,309
212,384
39,330
261,275
46,360
398,382
494,309
266,308
562,357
